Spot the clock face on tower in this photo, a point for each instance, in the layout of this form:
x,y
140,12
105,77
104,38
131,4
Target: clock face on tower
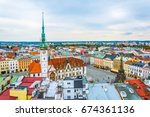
x,y
44,52
43,58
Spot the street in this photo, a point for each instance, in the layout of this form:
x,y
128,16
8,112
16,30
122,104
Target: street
x,y
99,75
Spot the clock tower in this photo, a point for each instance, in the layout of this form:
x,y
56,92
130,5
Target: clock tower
x,y
43,52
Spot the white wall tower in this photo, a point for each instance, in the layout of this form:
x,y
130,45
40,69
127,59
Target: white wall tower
x,y
43,52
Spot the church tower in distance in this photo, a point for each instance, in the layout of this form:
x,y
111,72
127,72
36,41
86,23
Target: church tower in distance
x,y
43,52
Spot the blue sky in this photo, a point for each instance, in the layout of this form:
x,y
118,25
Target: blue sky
x,y
20,20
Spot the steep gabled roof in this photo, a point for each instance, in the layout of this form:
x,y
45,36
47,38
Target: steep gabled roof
x,y
35,67
138,64
60,63
112,57
31,79
101,56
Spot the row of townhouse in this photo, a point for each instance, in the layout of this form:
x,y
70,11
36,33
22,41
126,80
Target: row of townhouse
x,y
138,67
108,61
19,64
4,68
139,70
134,66
59,68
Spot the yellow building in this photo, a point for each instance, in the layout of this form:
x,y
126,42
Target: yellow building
x,y
4,66
127,63
21,93
24,64
116,63
108,61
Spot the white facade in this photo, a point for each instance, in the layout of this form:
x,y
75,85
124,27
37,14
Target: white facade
x,y
142,72
68,94
85,71
44,62
68,89
146,72
36,75
136,71
68,84
13,66
68,71
72,89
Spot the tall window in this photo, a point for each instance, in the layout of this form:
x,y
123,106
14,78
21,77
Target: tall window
x,y
68,97
68,91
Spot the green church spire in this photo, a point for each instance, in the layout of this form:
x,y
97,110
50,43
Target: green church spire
x,y
43,43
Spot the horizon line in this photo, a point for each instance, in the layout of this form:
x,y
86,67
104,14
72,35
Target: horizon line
x,y
76,41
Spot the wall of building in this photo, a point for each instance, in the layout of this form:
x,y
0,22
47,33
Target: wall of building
x,y
24,63
21,94
99,62
69,72
13,66
35,75
4,67
68,89
68,93
108,63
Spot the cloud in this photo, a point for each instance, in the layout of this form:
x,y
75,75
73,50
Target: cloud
x,y
128,33
75,19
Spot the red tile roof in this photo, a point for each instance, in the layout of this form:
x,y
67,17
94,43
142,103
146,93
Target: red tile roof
x,y
26,84
31,79
27,81
83,50
30,90
11,55
141,58
140,88
88,55
5,95
146,59
35,67
130,61
60,63
2,58
15,48
34,53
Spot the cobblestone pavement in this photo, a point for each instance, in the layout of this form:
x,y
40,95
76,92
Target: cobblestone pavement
x,y
99,75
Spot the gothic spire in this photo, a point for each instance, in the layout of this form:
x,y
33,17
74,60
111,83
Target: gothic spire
x,y
43,43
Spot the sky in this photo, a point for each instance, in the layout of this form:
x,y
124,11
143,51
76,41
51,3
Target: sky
x,y
75,20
